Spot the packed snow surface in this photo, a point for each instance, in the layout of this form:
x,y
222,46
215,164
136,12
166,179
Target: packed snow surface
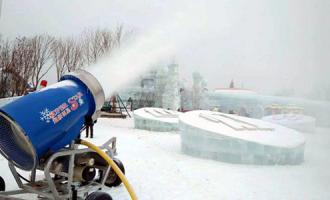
x,y
158,114
243,128
158,170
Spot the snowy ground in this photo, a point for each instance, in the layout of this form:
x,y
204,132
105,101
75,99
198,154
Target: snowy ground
x,y
158,170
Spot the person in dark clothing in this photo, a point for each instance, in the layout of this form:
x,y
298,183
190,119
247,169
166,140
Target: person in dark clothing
x,y
89,126
130,103
231,112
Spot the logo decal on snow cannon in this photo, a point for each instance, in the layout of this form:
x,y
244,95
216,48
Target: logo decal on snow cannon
x,y
62,110
45,115
75,101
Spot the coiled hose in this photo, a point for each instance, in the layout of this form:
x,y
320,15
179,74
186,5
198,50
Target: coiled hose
x,y
114,166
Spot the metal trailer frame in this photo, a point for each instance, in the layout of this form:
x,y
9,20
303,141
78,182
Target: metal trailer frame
x,y
62,189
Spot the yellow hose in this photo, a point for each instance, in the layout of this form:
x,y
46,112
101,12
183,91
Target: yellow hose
x,y
114,166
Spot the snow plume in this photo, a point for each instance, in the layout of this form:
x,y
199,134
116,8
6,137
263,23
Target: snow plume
x,y
160,43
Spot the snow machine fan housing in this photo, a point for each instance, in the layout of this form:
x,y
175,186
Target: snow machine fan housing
x,y
45,121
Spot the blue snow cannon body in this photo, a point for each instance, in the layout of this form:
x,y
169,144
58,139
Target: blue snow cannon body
x,y
45,121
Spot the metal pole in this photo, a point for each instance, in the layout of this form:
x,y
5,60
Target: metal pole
x,y
123,105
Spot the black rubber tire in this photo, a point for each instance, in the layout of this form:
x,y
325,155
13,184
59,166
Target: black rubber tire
x,y
113,179
98,196
2,184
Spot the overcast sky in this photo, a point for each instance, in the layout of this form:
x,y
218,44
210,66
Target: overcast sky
x,y
265,45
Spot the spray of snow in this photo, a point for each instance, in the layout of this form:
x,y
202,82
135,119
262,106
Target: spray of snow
x,y
128,63
136,57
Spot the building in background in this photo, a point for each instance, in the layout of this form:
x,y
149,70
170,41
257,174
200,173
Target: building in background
x,y
251,104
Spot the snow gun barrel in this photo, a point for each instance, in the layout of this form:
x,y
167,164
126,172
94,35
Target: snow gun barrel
x,y
45,121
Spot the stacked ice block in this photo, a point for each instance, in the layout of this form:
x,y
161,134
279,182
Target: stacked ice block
x,y
156,119
234,139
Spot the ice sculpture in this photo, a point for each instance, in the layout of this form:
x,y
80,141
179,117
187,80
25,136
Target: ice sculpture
x,y
298,122
171,95
199,92
156,119
235,139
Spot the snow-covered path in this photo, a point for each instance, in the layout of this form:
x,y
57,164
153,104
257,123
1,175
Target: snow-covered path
x,y
158,170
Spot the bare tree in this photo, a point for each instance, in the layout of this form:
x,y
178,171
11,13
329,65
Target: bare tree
x,y
91,46
21,66
29,59
118,36
74,57
67,56
41,46
21,61
100,42
58,54
5,60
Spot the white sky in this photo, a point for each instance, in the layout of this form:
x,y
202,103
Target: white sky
x,y
266,45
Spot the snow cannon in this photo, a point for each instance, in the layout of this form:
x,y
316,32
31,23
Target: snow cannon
x,y
43,122
41,131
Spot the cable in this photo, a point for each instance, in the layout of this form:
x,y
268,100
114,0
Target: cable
x,y
114,166
22,177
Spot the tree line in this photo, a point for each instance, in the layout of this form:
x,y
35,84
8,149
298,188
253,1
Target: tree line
x,y
25,60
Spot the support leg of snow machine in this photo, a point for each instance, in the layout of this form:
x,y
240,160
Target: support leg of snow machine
x,y
63,183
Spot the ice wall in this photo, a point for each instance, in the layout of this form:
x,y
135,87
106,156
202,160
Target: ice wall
x,y
156,119
242,140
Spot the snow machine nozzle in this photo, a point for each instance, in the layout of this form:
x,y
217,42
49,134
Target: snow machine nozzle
x,y
45,121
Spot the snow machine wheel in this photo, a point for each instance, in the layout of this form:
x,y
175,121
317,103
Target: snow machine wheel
x,y
113,179
2,184
99,196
